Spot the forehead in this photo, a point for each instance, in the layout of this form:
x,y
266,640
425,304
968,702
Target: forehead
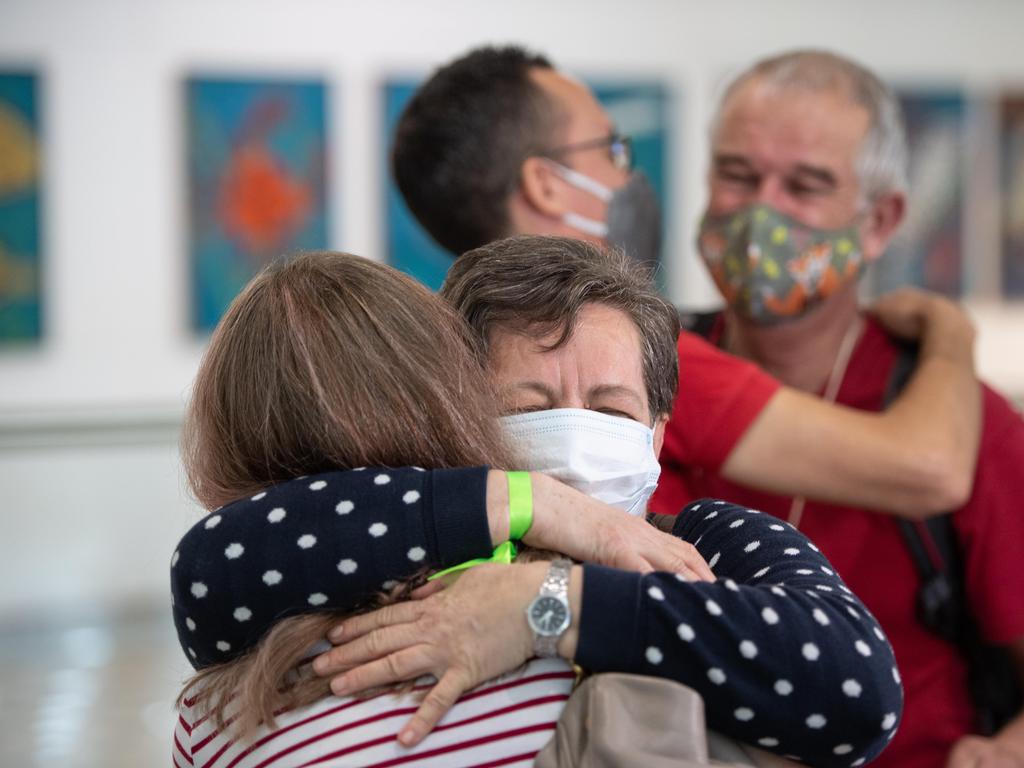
x,y
583,117
779,127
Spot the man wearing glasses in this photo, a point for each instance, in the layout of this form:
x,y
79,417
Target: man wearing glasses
x,y
499,142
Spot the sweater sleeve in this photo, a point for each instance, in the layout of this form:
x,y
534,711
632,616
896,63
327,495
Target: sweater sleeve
x,y
323,542
784,655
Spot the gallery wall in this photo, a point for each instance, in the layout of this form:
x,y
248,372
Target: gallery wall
x,y
91,492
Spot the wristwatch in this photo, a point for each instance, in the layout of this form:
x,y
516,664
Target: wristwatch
x,y
548,613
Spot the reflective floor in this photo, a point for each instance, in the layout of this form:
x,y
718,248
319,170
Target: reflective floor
x,y
89,693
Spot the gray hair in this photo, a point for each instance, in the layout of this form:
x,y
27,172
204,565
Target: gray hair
x,y
882,160
537,285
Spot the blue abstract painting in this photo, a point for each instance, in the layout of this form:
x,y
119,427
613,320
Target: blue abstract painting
x,y
20,163
639,109
257,159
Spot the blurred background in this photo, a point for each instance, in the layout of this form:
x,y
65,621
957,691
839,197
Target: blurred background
x,y
154,153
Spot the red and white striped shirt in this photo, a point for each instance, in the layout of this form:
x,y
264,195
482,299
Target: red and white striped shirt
x,y
505,722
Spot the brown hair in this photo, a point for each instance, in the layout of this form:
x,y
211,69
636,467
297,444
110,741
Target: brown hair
x,y
325,361
538,284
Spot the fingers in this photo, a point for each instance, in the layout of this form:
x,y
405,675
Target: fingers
x,y
398,667
441,698
370,647
428,589
357,626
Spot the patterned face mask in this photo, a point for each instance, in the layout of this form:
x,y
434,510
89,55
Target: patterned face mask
x,y
771,268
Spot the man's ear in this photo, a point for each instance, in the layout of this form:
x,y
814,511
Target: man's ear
x,y
541,188
659,433
885,217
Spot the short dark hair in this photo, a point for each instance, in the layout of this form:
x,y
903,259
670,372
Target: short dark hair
x,y
538,284
462,139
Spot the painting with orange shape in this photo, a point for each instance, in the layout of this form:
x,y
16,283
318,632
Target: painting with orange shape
x,y
257,159
788,305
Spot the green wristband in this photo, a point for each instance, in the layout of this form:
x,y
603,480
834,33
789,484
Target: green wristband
x,y
520,504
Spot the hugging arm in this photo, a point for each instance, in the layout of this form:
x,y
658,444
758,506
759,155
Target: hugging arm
x,y
783,655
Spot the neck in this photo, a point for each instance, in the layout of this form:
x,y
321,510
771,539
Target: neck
x,y
799,353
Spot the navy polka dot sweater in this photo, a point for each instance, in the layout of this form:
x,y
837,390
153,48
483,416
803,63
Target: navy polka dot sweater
x,y
785,657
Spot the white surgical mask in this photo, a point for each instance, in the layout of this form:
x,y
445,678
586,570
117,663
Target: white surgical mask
x,y
607,457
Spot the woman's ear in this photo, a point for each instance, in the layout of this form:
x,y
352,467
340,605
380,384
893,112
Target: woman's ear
x,y
659,433
541,187
885,217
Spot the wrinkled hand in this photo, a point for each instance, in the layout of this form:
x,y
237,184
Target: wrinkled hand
x,y
585,529
910,313
980,752
463,635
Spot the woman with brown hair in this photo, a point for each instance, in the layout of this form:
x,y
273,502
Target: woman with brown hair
x,y
324,363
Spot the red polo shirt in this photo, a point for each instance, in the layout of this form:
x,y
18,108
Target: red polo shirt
x,y
867,549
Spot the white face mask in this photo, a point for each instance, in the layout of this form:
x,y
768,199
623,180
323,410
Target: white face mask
x,y
607,457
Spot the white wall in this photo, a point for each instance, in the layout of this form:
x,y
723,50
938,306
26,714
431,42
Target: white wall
x,y
89,486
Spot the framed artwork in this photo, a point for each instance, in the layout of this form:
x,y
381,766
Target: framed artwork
x,y
1011,164
256,181
928,250
638,108
20,163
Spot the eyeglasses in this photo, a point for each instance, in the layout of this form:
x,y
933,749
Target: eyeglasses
x,y
620,149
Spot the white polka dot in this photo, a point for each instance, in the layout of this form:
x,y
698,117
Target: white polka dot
x,y
276,515
888,721
826,571
223,647
896,675
710,515
416,554
656,593
381,480
816,721
318,485
190,624
744,714
736,523
846,590
858,763
685,632
317,598
716,676
191,653
654,655
823,587
842,749
820,617
811,593
776,528
242,614
748,649
347,566
419,469
359,469
270,578
681,577
770,616
862,648
852,612
783,687
199,589
378,529
388,585
852,688
344,507
791,551
762,572
810,651
804,571
768,741
713,608
306,541
811,545
411,497
731,585
174,558
878,634
752,546
719,503
234,551
778,591
212,522
714,560
260,495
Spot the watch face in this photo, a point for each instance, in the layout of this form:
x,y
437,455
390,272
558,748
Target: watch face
x,y
548,615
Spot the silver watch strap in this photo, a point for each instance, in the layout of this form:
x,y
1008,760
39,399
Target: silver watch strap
x,y
555,584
